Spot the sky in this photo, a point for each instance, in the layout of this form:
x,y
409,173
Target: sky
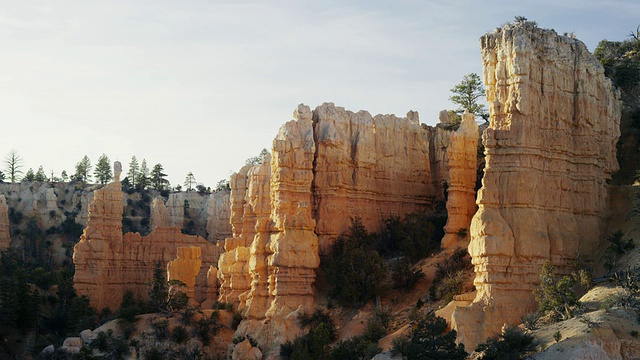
x,y
199,86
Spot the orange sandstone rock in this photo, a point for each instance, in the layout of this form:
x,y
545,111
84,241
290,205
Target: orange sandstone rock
x,y
550,149
185,268
108,263
461,202
219,213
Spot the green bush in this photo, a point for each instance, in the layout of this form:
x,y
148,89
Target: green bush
x,y
429,339
315,344
404,275
355,271
179,334
449,276
556,295
512,344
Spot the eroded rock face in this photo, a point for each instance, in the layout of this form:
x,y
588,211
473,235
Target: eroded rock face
x,y
159,214
108,263
185,268
175,209
219,213
461,202
550,149
5,236
369,167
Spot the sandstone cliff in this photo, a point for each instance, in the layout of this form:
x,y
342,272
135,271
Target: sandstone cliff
x,y
5,236
185,268
108,263
550,149
369,167
463,163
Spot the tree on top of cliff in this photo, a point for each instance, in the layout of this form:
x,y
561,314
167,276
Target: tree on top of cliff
x,y
257,160
142,179
467,93
159,178
40,175
13,163
83,169
134,170
103,170
189,180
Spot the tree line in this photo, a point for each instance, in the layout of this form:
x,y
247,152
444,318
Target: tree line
x,y
140,176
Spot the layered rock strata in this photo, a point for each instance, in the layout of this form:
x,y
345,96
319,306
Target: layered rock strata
x,y
550,149
175,209
108,263
461,202
5,235
367,167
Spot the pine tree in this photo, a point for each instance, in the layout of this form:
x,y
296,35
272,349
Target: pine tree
x,y
189,181
64,175
158,177
83,169
29,176
103,172
40,175
142,180
467,93
134,170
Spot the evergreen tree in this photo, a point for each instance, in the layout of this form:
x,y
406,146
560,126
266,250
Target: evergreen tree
x,y
142,180
189,181
467,93
40,175
64,175
29,176
103,172
83,170
429,339
158,177
134,170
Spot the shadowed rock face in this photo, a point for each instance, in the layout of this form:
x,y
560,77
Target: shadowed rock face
x,y
550,149
5,238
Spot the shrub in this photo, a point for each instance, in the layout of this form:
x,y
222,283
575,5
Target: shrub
x,y
355,270
429,339
179,334
554,295
315,344
160,328
449,276
236,320
557,336
356,348
404,275
513,343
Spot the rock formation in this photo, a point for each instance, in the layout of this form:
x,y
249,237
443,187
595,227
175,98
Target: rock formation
x,y
369,167
159,214
463,162
175,210
219,213
550,149
5,237
51,200
108,263
185,268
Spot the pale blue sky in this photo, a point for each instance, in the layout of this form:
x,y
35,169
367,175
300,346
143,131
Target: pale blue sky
x,y
202,85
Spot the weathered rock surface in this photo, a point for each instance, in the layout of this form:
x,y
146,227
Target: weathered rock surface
x,y
185,268
369,167
461,202
175,209
159,214
219,213
5,236
550,149
109,263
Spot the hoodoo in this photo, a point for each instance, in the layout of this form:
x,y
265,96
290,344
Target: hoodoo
x,y
550,149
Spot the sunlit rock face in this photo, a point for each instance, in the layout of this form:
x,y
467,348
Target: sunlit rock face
x,y
326,166
219,213
108,263
550,149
